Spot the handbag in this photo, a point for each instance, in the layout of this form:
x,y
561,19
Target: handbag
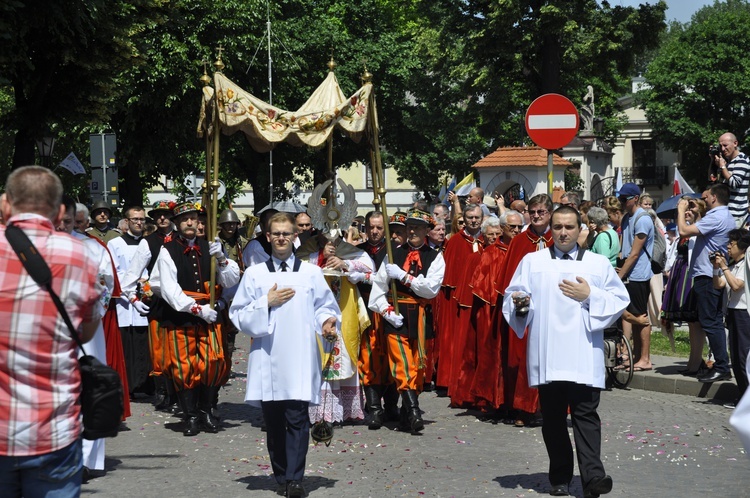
x,y
101,387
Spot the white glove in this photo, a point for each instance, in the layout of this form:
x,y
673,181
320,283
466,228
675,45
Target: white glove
x,y
208,314
141,308
394,319
216,250
394,272
356,277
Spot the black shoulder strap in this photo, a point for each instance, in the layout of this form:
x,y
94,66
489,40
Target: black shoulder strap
x,y
39,271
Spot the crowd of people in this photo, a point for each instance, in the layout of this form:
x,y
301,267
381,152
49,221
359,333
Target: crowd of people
x,y
500,309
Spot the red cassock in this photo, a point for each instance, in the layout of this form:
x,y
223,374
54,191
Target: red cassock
x,y
461,255
484,375
518,394
113,339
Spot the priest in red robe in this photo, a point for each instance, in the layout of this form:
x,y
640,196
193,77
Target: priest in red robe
x,y
486,384
462,253
518,395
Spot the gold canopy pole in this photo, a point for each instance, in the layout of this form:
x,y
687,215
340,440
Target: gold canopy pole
x,y
329,164
378,183
213,186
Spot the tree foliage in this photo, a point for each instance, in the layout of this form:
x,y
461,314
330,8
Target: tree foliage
x,y
699,85
486,61
453,78
61,60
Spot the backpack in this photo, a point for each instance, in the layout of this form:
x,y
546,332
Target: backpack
x,y
659,258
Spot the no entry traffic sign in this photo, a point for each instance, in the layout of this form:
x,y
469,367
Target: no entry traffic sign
x,y
552,121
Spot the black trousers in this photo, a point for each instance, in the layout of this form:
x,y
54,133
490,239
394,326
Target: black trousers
x,y
555,399
288,437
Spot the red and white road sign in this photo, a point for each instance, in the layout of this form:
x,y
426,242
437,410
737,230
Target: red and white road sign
x,y
552,121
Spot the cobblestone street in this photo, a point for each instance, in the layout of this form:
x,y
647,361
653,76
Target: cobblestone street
x,y
654,444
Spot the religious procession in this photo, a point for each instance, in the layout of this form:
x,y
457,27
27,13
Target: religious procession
x,y
516,295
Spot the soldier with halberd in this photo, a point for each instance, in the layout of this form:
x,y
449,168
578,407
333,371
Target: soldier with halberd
x,y
195,356
418,272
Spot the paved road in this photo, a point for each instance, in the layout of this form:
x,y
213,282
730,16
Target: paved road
x,y
654,444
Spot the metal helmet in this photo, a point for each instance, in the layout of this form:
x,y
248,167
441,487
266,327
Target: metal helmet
x,y
101,205
322,432
228,216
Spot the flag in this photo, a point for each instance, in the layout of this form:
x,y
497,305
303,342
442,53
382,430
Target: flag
x,y
72,164
464,186
618,181
443,196
680,185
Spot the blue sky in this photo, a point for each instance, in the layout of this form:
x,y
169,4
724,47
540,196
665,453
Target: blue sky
x,y
680,10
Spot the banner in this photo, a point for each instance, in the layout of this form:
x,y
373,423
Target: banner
x,y
680,185
72,164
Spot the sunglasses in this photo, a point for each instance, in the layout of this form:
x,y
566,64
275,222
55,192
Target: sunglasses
x,y
626,198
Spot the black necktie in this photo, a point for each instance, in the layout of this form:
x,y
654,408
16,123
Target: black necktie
x,y
566,256
283,266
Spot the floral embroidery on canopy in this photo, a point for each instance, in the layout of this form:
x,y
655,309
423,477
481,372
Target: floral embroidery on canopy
x,y
265,125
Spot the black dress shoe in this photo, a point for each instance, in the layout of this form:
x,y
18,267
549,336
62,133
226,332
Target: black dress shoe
x,y
714,376
281,489
598,486
560,490
294,489
191,427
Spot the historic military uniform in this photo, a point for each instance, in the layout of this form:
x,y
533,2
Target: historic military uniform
x,y
193,349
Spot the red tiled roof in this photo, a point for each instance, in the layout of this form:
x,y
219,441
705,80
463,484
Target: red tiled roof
x,y
514,157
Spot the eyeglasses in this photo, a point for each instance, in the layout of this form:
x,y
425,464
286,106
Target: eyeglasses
x,y
137,220
279,235
538,212
514,227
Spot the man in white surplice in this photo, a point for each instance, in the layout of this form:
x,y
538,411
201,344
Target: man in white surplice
x,y
283,304
572,295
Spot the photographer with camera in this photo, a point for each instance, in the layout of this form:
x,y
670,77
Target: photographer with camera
x,y
733,168
711,236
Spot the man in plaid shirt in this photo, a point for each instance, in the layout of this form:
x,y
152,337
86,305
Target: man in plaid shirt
x,y
40,423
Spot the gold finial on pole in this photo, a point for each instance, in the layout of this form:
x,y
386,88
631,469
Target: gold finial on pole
x,y
219,64
366,76
332,63
205,79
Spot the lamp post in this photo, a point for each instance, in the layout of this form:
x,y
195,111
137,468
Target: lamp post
x,y
45,145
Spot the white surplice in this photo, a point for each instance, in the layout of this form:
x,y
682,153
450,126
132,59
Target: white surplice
x,y
93,451
284,361
566,340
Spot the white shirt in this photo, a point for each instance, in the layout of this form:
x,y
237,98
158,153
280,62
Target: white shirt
x,y
164,280
122,254
565,341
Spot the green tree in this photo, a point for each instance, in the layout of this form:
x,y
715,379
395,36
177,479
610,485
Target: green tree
x,y
486,61
60,60
699,85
